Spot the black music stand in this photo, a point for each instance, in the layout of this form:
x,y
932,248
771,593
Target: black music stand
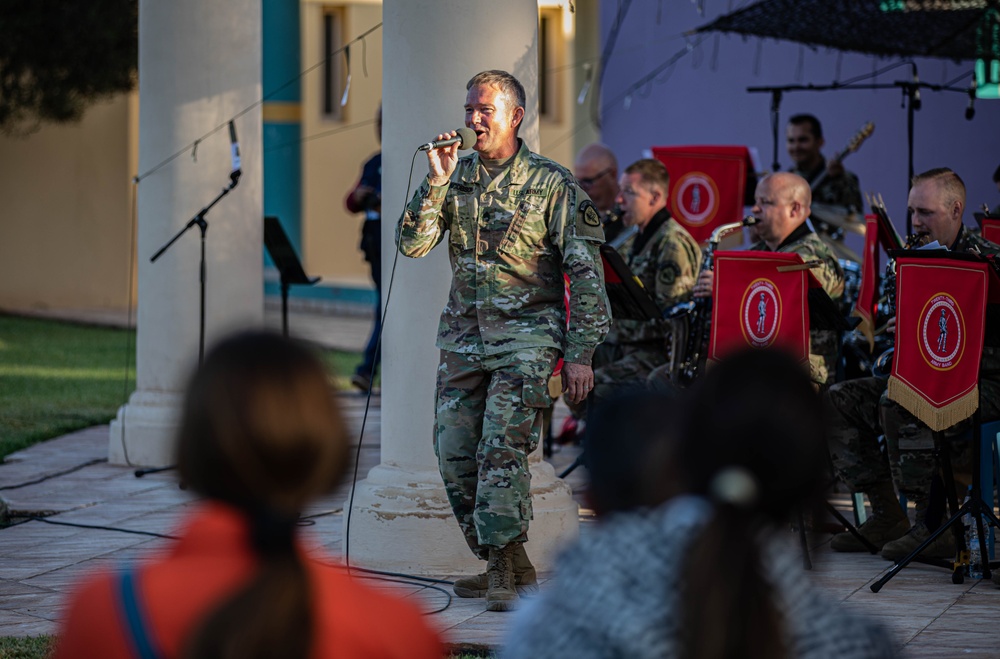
x,y
975,505
629,300
286,261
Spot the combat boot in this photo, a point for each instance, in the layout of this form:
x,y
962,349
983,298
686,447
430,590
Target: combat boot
x,y
500,593
942,547
525,578
888,522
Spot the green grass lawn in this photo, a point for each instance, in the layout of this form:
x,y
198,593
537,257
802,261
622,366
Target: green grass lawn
x,y
30,647
59,377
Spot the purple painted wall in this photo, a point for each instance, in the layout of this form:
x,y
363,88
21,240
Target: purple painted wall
x,y
703,100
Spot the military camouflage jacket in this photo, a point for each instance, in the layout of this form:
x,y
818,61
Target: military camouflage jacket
x,y
824,348
667,264
510,242
840,191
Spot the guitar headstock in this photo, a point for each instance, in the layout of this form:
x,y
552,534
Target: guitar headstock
x,y
859,137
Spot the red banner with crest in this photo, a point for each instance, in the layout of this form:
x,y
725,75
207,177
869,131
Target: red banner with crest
x,y
707,184
760,300
866,305
991,229
940,325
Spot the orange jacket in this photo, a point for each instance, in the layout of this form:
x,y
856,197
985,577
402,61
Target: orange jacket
x,y
210,560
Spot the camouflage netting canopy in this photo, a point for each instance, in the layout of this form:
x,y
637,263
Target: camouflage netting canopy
x,y
929,28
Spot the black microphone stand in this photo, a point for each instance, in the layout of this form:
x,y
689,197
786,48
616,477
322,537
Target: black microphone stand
x,y
911,91
200,221
202,224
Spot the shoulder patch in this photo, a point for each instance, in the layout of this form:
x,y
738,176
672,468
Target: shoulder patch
x,y
669,274
588,213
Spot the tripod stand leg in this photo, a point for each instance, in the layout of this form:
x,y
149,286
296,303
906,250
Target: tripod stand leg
x,y
806,560
877,586
851,528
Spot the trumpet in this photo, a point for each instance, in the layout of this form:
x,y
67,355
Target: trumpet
x,y
699,311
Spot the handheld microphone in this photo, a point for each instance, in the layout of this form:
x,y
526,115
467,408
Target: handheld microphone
x,y
234,147
970,110
465,140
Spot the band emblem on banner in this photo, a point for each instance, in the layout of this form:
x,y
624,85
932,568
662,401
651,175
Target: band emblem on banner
x,y
696,198
940,325
941,336
761,313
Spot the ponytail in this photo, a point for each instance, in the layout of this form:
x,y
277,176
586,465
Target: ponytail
x,y
271,617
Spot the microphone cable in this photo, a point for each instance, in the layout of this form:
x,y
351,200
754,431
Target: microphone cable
x,y
349,505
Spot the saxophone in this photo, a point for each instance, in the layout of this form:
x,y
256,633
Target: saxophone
x,y
883,365
699,311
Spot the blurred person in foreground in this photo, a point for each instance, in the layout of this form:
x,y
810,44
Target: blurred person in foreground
x,y
689,558
260,437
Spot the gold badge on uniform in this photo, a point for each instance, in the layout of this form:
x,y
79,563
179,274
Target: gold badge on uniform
x,y
589,213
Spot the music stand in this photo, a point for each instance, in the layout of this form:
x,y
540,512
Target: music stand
x,y
286,261
629,300
974,506
628,297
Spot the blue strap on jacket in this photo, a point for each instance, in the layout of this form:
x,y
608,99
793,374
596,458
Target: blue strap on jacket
x,y
136,617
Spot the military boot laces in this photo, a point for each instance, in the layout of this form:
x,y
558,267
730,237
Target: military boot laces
x,y
888,522
500,593
525,578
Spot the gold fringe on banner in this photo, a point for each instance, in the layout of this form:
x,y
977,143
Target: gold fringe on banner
x,y
936,418
866,327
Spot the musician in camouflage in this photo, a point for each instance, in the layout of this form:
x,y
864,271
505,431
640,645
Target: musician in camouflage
x,y
781,207
516,223
596,170
665,259
862,411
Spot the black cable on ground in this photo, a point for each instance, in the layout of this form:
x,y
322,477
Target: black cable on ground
x,y
98,527
42,479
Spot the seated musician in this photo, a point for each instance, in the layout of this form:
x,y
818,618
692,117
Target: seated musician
x,y
862,411
781,206
596,170
665,258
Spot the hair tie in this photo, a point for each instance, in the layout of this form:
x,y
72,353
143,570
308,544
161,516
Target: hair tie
x,y
734,486
272,533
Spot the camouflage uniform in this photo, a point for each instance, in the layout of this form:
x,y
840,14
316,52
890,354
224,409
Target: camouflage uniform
x,y
861,408
666,259
823,344
511,239
840,191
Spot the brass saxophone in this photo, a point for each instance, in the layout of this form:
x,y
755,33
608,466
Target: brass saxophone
x,y
883,365
699,311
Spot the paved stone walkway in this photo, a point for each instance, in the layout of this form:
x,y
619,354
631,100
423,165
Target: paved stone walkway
x,y
929,616
66,480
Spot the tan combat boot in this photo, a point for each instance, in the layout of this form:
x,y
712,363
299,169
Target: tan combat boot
x,y
500,593
888,522
943,547
525,578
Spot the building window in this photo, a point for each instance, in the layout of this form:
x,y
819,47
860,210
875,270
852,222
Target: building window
x,y
549,42
334,71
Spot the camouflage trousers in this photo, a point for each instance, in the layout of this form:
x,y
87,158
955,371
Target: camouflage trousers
x,y
861,411
488,420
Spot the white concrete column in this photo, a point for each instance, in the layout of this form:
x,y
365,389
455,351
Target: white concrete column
x,y
199,65
401,519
